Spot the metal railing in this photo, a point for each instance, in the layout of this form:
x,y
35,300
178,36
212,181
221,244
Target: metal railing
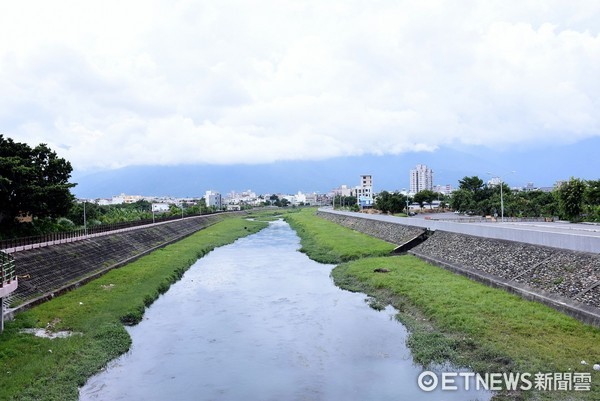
x,y
8,281
479,219
66,235
7,269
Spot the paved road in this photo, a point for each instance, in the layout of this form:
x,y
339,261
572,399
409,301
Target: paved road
x,y
564,227
577,237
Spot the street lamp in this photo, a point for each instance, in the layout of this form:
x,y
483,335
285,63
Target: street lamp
x,y
84,220
501,196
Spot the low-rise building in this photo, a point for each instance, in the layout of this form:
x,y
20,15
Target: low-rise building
x,y
160,207
213,199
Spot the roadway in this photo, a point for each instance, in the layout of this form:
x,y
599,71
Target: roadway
x,y
577,237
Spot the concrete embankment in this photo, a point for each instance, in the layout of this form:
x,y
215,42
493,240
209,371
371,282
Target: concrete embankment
x,y
390,232
561,278
49,271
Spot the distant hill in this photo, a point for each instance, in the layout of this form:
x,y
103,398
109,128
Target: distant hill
x,y
541,166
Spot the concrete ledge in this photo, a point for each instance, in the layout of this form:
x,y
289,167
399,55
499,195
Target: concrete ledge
x,y
7,288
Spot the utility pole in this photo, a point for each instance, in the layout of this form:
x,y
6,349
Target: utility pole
x,y
84,220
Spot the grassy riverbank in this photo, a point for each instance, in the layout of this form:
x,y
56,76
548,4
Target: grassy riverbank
x,y
33,368
326,242
452,318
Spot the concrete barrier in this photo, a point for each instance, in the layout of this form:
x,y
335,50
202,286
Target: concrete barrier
x,y
551,234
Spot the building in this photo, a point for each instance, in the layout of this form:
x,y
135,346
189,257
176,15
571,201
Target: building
x,y
421,178
494,182
343,191
299,198
160,207
120,199
213,199
244,198
443,189
364,192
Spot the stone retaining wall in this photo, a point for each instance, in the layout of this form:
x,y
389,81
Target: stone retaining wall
x,y
569,274
563,279
390,232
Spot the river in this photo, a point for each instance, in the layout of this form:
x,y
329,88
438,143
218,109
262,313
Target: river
x,y
258,320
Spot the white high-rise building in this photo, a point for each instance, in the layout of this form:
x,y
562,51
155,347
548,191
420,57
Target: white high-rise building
x,y
421,178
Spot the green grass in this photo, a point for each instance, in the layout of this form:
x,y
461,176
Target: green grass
x,y
33,368
271,214
452,318
327,242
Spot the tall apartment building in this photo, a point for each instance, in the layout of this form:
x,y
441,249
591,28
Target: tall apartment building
x,y
421,178
364,192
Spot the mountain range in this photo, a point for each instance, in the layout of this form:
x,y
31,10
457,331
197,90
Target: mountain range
x,y
543,166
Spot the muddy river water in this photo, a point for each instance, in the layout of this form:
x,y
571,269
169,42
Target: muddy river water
x,y
258,320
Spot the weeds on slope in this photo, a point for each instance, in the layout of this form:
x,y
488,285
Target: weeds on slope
x,y
327,242
34,368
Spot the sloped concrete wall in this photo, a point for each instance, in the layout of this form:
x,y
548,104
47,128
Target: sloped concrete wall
x,y
390,232
48,271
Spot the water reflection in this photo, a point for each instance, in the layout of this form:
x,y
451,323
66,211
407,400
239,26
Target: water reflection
x,y
257,320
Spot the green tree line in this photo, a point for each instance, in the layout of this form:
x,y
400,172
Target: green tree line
x,y
35,196
574,200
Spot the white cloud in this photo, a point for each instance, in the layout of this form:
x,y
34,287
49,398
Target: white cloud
x,y
110,84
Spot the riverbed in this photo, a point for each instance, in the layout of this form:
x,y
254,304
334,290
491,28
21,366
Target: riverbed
x,y
258,320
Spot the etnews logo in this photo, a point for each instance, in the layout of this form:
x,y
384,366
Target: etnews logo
x,y
453,381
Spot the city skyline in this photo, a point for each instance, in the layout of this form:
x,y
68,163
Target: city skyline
x,y
192,181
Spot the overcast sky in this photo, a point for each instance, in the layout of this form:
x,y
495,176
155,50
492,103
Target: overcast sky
x,y
115,83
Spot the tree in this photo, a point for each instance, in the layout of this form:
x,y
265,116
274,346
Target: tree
x,y
92,212
390,202
462,200
472,184
592,200
33,181
570,198
425,196
592,193
383,201
532,204
344,201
